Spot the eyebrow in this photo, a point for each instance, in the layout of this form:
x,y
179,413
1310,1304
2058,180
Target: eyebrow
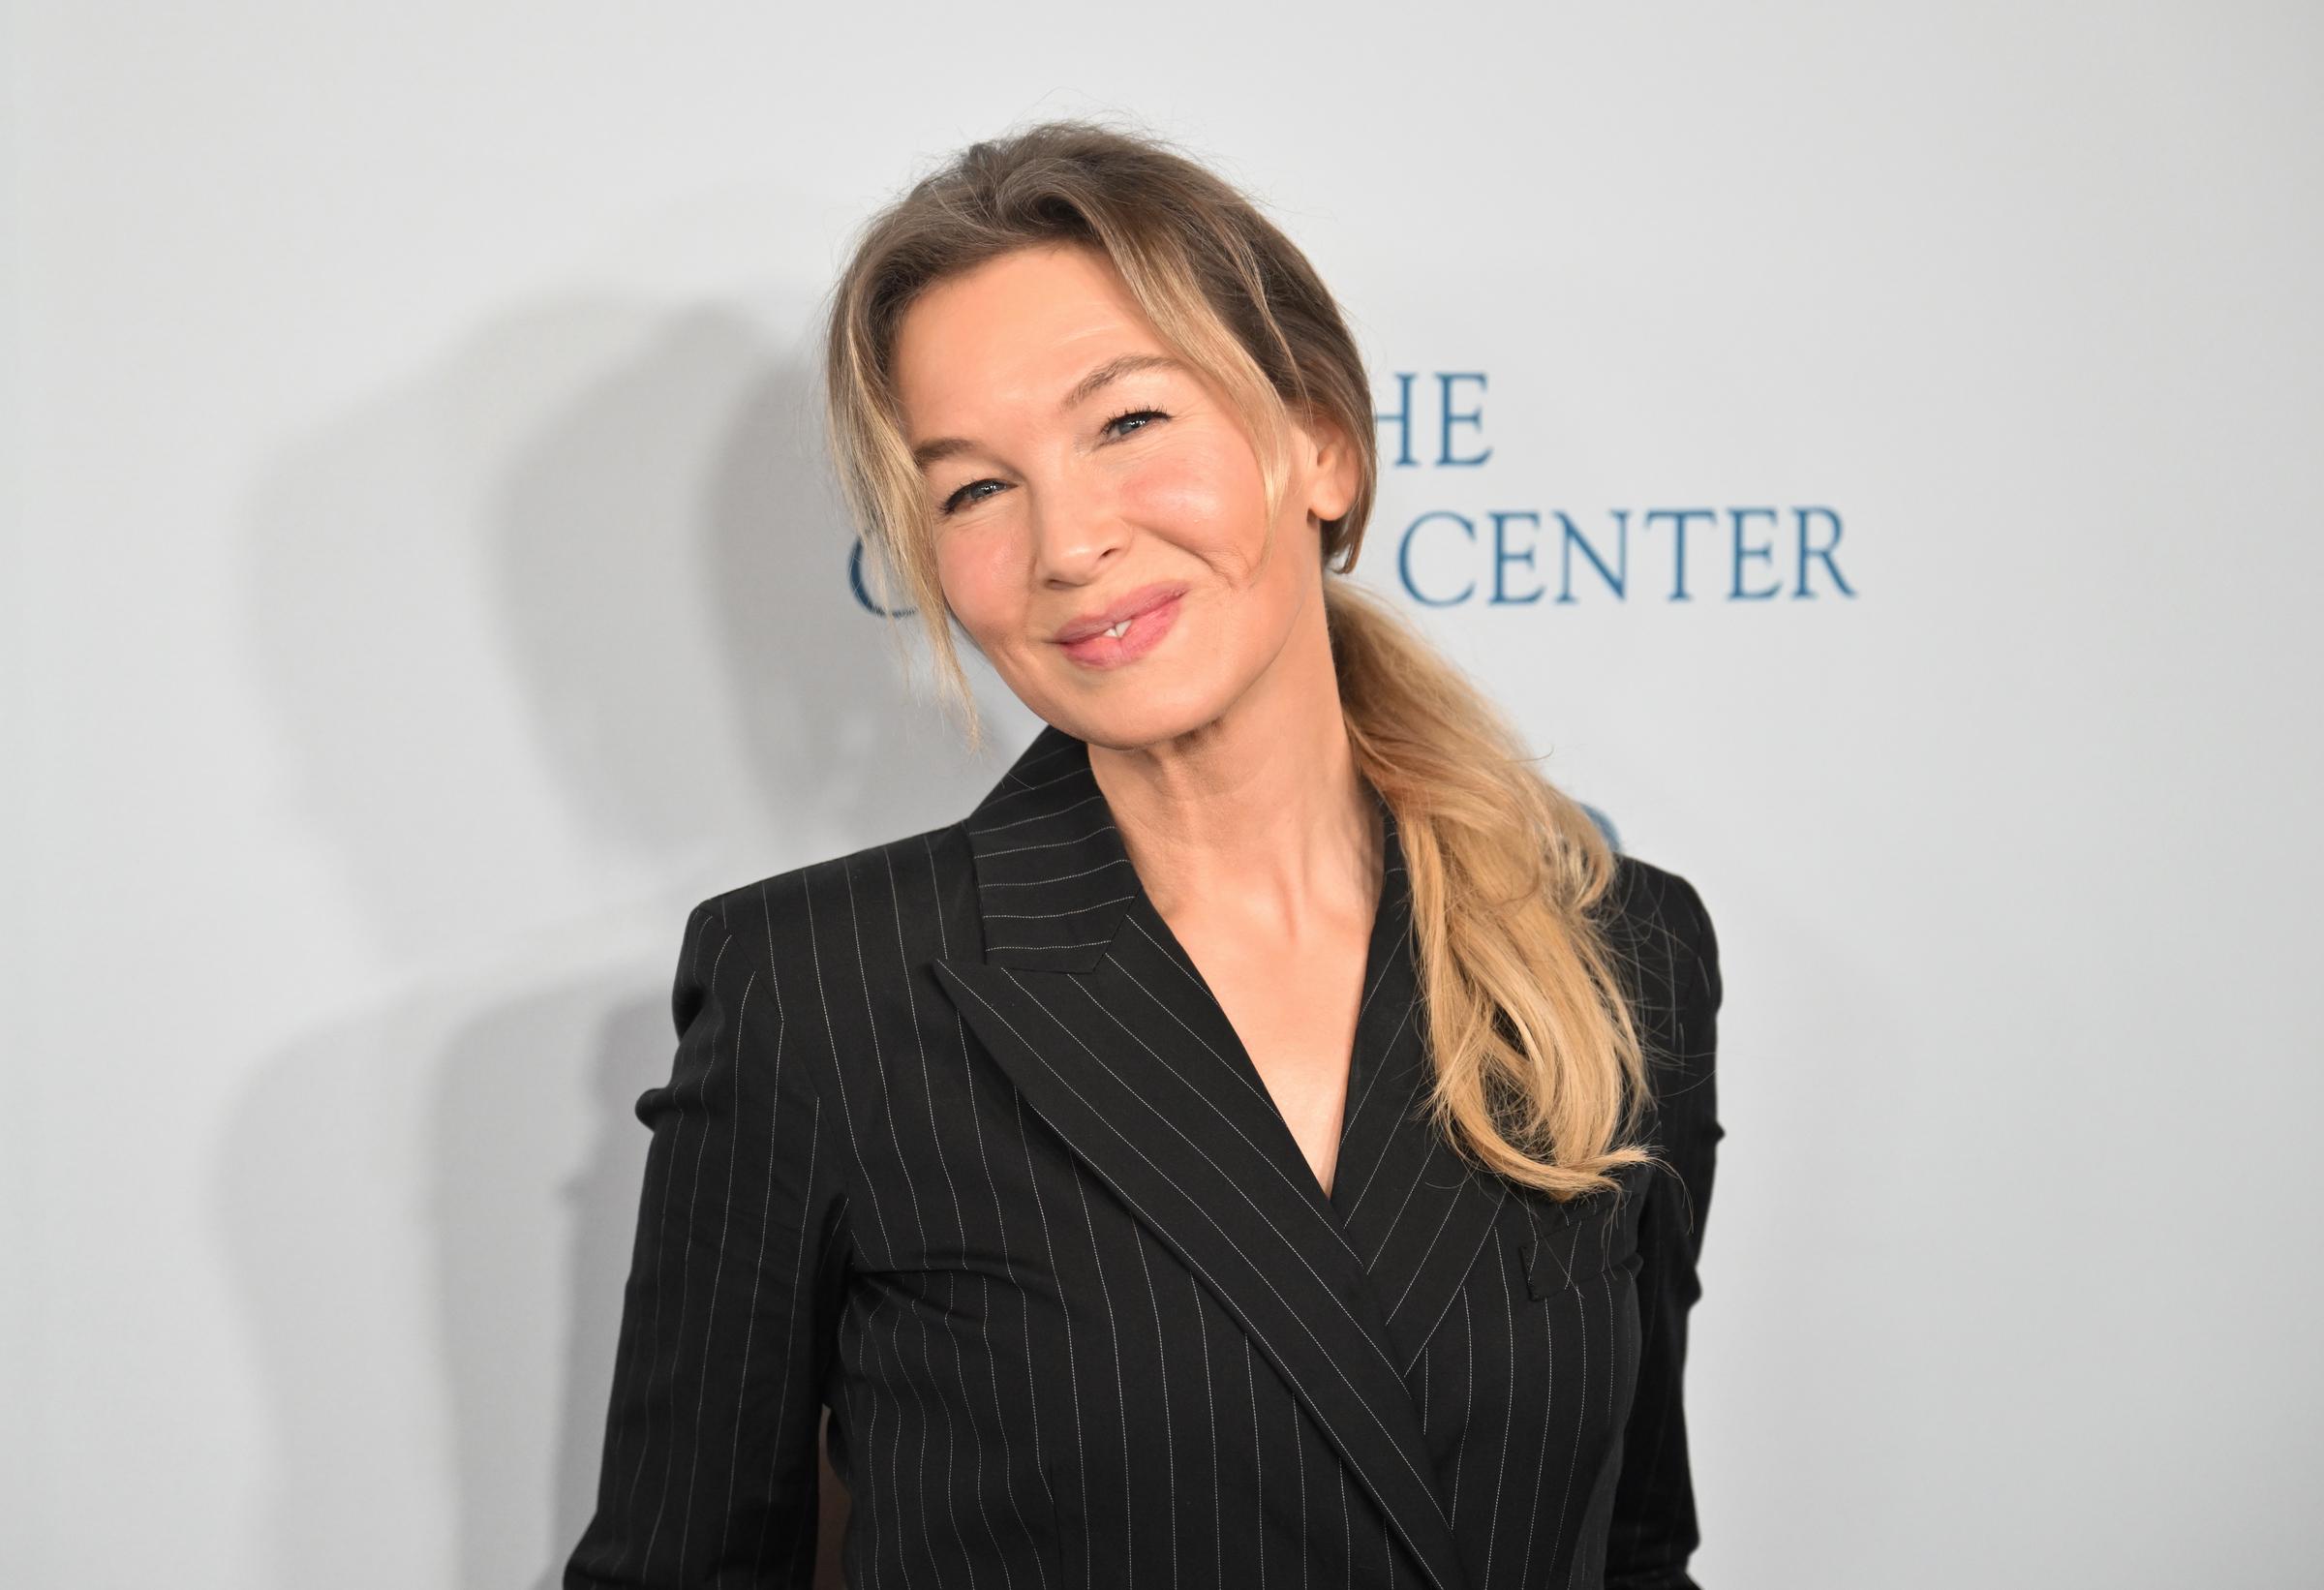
x,y
939,449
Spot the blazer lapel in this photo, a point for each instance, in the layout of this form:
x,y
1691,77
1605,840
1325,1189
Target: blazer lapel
x,y
1107,1028
1412,1209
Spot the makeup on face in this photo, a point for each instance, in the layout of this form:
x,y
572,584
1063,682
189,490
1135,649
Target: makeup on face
x,y
1123,630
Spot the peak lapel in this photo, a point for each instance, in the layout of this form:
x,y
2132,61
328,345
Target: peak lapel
x,y
1109,1031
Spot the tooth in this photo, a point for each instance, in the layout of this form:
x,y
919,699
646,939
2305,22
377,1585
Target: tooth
x,y
1120,629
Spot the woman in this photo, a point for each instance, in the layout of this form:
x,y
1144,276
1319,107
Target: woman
x,y
1267,1141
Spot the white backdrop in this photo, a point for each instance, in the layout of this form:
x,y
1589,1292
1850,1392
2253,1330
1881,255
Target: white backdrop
x,y
423,586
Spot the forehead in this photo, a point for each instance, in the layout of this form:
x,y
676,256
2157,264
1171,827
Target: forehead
x,y
1010,336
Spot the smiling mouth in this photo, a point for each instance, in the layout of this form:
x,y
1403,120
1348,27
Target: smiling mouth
x,y
1127,641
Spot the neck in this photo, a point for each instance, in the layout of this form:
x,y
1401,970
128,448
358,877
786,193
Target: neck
x,y
1259,813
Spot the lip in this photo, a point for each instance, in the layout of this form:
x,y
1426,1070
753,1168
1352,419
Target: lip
x,y
1151,613
1127,606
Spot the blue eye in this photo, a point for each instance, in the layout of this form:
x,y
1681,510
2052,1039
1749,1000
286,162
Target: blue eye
x,y
1134,414
960,498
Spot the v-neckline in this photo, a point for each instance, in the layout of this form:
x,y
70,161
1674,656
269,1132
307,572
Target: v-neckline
x,y
1385,951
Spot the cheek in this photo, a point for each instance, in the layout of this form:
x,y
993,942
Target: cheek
x,y
982,583
1201,496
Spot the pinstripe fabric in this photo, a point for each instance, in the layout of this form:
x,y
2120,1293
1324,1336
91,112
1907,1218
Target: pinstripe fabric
x,y
957,1141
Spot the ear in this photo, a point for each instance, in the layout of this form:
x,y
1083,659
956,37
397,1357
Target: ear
x,y
1330,465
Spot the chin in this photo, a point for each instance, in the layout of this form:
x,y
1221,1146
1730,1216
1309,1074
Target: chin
x,y
1128,713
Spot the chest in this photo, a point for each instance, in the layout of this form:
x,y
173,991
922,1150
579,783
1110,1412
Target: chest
x,y
1294,1005
1140,1370
1073,1193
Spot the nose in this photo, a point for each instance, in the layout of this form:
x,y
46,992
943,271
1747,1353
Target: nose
x,y
1076,536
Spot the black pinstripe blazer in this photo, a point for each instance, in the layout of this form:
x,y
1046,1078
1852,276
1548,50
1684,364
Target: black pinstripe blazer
x,y
958,1142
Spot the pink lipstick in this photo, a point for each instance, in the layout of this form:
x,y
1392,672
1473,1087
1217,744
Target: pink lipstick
x,y
1124,631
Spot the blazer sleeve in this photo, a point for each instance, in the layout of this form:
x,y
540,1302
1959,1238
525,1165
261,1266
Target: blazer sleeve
x,y
711,1455
1654,1530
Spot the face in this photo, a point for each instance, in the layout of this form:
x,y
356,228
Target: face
x,y
1076,474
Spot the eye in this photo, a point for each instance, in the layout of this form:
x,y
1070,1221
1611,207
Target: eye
x,y
1133,413
960,498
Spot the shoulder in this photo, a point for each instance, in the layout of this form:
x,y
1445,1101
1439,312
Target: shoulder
x,y
916,881
1657,916
839,946
1659,933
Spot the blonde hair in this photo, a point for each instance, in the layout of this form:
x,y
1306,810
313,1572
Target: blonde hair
x,y
1539,1073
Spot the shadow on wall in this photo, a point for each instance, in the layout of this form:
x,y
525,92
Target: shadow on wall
x,y
580,590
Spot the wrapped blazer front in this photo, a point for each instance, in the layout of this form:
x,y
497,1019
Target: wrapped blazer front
x,y
958,1143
